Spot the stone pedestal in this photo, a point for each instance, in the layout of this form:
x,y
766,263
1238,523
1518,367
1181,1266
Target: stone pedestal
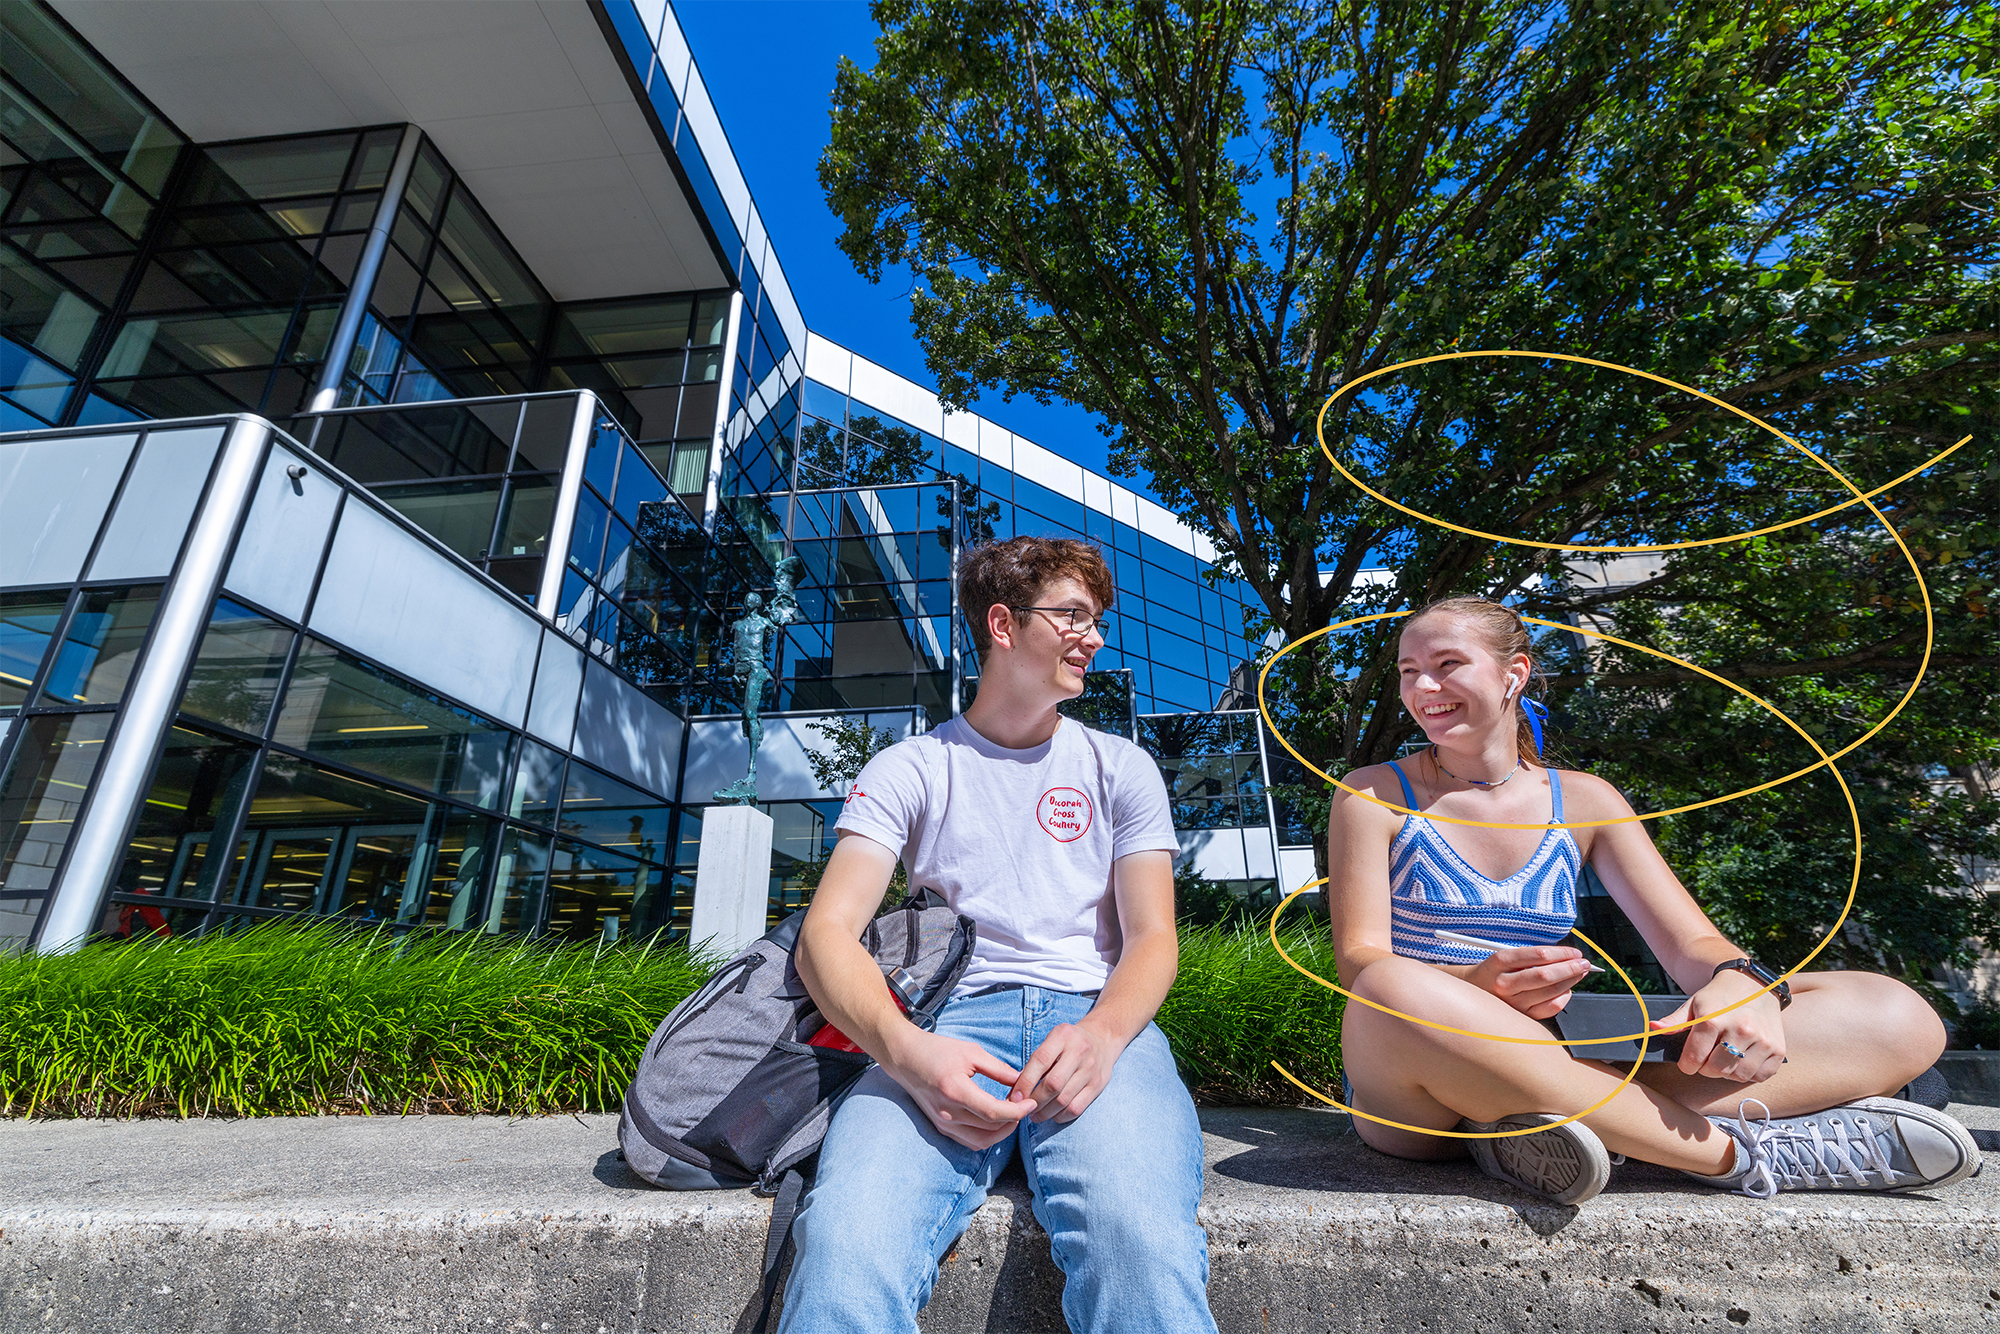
x,y
732,879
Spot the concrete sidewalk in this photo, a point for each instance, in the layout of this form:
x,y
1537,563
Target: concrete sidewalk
x,y
480,1224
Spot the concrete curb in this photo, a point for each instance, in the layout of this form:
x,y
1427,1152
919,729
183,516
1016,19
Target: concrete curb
x,y
481,1224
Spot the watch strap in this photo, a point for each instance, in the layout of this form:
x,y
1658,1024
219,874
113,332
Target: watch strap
x,y
1751,968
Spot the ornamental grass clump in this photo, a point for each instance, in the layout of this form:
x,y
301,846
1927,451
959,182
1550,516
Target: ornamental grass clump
x,y
289,1020
324,1018
1237,1006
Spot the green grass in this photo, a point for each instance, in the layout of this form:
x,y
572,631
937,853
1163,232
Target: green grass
x,y
287,1020
1237,1006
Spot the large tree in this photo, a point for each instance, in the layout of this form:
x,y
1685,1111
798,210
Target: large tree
x,y
1199,221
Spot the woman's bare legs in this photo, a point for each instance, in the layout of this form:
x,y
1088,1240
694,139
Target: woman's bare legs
x,y
1427,1077
1847,1036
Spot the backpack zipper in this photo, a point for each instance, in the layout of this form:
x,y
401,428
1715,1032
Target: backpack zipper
x,y
711,992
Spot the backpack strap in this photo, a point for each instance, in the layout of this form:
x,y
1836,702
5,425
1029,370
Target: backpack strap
x,y
784,1209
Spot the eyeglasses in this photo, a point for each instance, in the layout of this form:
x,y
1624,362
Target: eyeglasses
x,y
1079,621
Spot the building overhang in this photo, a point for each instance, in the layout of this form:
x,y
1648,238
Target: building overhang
x,y
526,99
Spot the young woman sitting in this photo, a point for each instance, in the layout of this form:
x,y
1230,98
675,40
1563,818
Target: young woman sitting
x,y
1785,1093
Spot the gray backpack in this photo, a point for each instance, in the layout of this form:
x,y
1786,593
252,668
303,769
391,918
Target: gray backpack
x,y
729,1094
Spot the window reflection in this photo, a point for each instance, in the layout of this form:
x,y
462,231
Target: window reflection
x,y
596,895
538,783
602,810
197,788
42,791
321,842
27,623
101,644
236,671
345,709
520,874
460,857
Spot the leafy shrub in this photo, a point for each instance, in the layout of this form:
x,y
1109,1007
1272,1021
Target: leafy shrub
x,y
299,1020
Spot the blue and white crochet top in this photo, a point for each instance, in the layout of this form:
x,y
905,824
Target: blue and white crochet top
x,y
1431,887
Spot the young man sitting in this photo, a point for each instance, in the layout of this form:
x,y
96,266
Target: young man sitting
x,y
1058,842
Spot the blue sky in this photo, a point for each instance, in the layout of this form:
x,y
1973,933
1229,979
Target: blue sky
x,y
769,65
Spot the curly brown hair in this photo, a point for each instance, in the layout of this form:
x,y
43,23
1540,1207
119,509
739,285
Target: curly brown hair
x,y
1014,573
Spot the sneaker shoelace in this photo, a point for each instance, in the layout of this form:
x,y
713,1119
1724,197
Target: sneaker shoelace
x,y
1780,1155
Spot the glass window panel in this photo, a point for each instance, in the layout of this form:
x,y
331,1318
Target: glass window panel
x,y
236,671
274,271
697,412
711,321
197,787
600,465
600,809
90,101
53,495
27,623
101,644
530,511
410,235
396,288
545,430
586,545
301,217
489,261
319,841
41,792
640,654
42,313
167,345
348,710
412,443
377,155
617,548
596,895
460,855
144,536
428,177
650,325
275,168
458,514
520,873
538,783
18,917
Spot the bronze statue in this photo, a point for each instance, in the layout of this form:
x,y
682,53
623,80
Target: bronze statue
x,y
748,638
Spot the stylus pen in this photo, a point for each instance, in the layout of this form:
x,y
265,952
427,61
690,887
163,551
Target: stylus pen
x,y
1455,938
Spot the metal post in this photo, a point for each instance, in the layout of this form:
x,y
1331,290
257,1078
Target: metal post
x,y
1270,805
957,653
341,349
563,522
149,704
711,496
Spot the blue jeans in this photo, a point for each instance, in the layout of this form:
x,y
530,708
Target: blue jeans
x,y
1116,1190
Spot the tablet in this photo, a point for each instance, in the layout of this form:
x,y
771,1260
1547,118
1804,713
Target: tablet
x,y
1601,1016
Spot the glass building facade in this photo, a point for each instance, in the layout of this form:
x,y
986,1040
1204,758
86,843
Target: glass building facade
x,y
474,528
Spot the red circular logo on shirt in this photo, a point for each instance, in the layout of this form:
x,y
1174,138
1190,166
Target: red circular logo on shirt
x,y
1064,812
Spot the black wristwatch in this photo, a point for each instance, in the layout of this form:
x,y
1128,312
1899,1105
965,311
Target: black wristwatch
x,y
1764,976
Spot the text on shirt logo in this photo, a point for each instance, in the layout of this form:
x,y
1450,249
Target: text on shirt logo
x,y
1065,812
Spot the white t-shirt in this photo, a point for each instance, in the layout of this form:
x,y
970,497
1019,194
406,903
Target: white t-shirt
x,y
1020,841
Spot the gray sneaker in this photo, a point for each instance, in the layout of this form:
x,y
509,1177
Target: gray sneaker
x,y
1871,1144
1567,1165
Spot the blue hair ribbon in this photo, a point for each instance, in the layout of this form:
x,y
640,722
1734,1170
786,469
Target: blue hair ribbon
x,y
1538,713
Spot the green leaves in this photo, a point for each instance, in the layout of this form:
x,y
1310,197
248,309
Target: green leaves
x,y
283,1020
1199,219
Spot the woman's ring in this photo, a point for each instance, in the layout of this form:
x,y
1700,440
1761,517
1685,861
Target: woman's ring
x,y
1731,1048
